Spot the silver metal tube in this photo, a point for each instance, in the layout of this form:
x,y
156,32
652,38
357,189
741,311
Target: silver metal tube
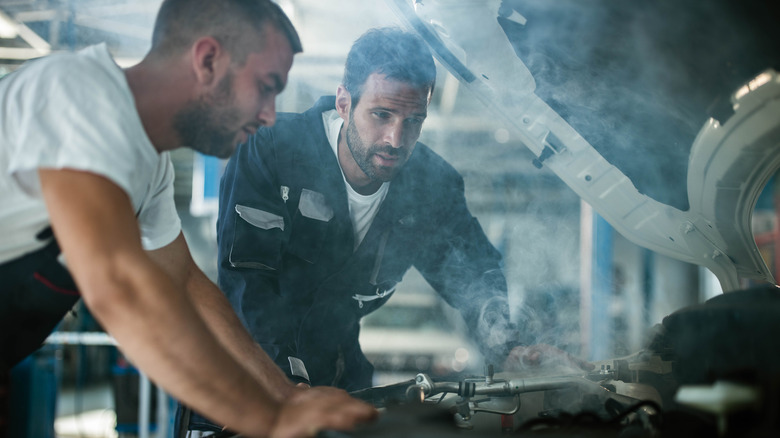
x,y
513,386
532,384
162,413
144,395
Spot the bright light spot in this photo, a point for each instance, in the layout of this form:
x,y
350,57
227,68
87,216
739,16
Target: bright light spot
x,y
501,135
760,80
458,366
7,27
742,92
462,355
91,424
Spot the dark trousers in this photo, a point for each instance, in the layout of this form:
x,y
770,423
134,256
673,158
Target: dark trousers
x,y
187,419
36,291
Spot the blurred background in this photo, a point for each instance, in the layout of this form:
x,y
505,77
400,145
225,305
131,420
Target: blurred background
x,y
573,281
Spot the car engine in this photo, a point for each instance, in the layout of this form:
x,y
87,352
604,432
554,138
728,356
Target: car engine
x,y
708,370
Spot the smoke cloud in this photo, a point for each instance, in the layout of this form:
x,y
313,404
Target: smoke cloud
x,y
638,79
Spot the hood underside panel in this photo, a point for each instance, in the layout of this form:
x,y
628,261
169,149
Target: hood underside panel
x,y
664,116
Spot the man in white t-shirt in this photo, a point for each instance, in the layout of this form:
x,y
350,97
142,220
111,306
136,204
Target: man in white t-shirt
x,y
84,168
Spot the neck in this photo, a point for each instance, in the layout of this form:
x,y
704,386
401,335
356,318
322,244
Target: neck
x,y
157,96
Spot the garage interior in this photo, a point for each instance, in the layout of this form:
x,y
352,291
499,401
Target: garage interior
x,y
574,282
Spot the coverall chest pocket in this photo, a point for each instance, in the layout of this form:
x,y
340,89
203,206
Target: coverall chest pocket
x,y
257,239
310,226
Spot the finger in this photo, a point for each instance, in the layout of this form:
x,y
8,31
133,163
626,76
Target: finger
x,y
346,417
309,419
329,407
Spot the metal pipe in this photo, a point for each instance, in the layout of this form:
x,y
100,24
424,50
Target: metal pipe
x,y
144,393
515,386
162,413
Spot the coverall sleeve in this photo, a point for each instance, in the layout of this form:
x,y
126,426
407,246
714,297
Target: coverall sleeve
x,y
461,264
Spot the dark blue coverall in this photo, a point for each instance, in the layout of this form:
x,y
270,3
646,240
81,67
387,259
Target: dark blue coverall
x,y
286,247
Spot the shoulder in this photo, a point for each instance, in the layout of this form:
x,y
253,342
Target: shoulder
x,y
292,133
92,65
88,80
290,126
429,182
295,126
426,165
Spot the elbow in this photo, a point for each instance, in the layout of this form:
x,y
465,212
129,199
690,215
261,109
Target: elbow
x,y
110,288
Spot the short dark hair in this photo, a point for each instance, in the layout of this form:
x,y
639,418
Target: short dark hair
x,y
180,23
399,55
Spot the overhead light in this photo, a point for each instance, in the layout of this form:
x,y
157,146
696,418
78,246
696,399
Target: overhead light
x,y
7,26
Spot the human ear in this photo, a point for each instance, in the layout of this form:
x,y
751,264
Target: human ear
x,y
207,62
343,102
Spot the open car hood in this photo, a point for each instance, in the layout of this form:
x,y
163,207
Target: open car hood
x,y
731,158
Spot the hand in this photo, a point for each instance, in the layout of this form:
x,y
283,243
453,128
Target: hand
x,y
543,355
309,411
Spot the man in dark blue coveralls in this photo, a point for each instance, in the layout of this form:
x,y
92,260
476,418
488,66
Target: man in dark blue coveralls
x,y
321,216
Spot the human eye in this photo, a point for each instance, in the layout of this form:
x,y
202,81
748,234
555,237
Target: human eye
x,y
382,115
265,89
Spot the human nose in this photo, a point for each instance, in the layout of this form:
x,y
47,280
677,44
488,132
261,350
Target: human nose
x,y
267,114
394,135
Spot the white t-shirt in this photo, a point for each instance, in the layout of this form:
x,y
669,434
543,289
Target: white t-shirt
x,y
76,111
362,209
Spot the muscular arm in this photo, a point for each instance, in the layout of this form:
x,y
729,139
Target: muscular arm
x,y
138,304
156,324
216,311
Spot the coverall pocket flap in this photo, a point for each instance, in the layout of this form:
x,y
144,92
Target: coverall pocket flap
x,y
260,218
314,206
256,244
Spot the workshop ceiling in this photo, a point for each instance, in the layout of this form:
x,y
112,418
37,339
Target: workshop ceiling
x,y
34,28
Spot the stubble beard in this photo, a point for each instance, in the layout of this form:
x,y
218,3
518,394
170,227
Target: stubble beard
x,y
362,155
203,125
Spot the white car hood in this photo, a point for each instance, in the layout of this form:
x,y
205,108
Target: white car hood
x,y
730,161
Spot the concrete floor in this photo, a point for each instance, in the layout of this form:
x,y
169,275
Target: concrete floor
x,y
86,413
90,413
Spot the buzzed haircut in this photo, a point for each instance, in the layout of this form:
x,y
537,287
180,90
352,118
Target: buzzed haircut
x,y
390,51
233,23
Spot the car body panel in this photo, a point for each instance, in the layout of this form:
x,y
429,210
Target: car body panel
x,y
730,161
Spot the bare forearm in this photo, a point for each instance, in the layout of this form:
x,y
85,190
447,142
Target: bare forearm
x,y
146,308
161,332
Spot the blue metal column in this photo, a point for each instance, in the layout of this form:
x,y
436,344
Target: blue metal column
x,y
33,400
649,284
601,290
